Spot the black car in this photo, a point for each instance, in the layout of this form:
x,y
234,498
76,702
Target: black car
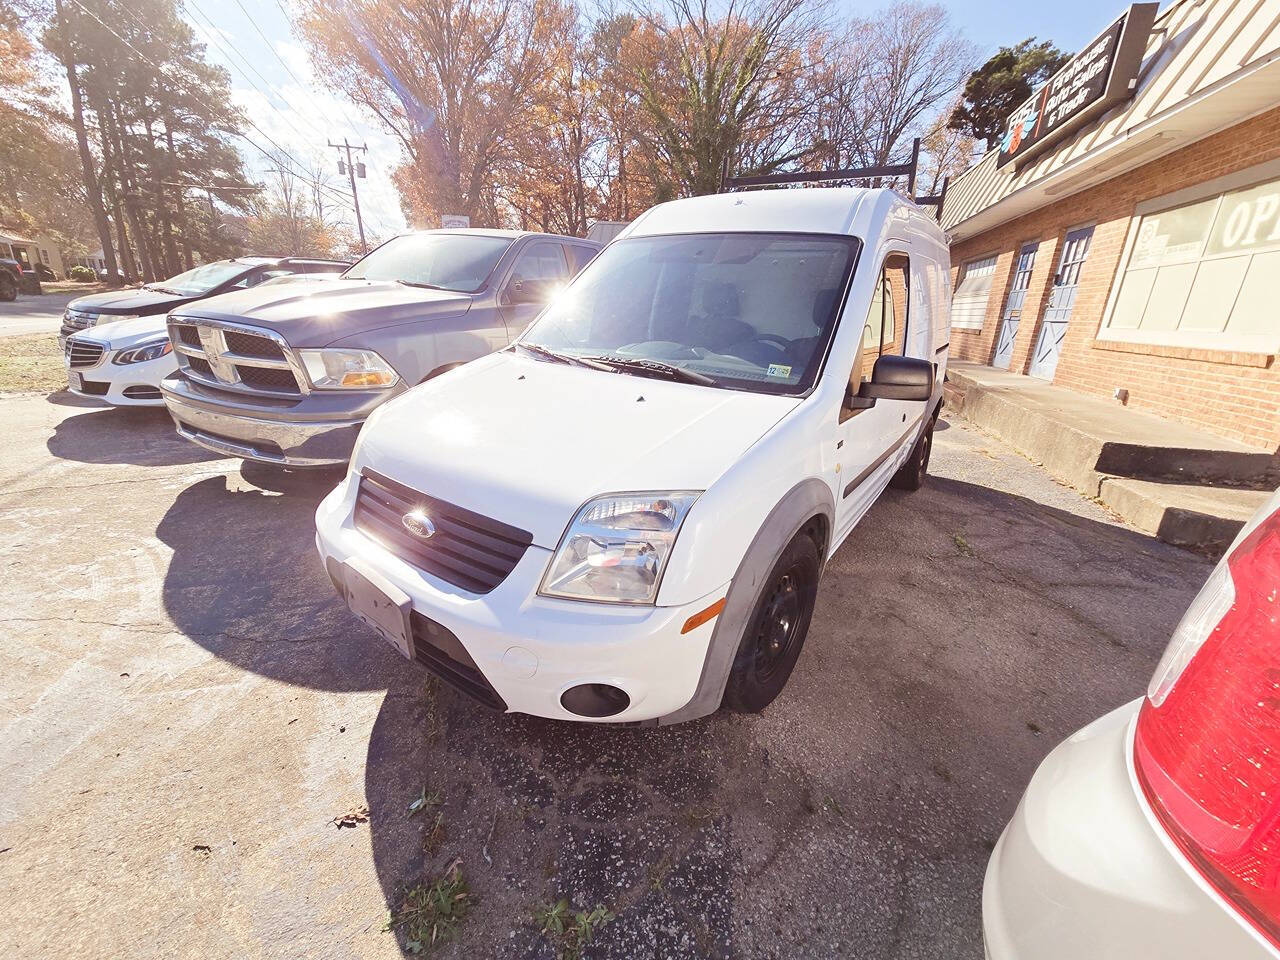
x,y
207,280
14,280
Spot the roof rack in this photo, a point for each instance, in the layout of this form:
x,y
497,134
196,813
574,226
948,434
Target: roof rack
x,y
882,172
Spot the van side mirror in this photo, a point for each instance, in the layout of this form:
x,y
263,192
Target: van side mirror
x,y
895,378
530,291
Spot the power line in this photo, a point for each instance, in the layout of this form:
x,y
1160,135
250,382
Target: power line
x,y
239,133
213,39
289,70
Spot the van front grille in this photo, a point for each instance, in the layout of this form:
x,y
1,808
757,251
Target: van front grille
x,y
467,549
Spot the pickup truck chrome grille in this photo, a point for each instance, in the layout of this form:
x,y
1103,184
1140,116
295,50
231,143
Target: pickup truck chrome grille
x,y
241,358
83,353
467,549
73,320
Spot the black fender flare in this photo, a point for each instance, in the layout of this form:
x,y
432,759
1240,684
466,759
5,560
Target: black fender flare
x,y
807,500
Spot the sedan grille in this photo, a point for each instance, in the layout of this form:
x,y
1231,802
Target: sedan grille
x,y
83,353
235,358
468,550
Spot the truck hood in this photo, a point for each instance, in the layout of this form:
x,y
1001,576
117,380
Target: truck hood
x,y
315,313
528,442
123,302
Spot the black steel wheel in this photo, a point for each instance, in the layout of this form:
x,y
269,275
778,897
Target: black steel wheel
x,y
8,286
775,633
910,475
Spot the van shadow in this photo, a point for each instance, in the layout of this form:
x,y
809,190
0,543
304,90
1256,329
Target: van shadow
x,y
245,582
142,436
935,678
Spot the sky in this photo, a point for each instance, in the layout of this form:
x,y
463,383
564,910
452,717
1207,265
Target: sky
x,y
272,80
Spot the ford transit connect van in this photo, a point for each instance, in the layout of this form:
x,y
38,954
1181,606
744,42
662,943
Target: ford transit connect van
x,y
624,515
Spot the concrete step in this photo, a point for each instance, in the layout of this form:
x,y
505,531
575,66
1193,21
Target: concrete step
x,y
1180,483
1201,518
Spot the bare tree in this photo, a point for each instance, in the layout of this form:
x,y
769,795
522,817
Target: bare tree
x,y
722,81
883,77
945,153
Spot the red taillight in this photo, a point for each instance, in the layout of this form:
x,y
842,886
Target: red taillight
x,y
1207,745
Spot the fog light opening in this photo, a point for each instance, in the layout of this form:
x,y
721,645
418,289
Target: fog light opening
x,y
595,700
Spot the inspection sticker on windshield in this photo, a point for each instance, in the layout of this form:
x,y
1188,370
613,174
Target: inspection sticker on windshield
x,y
779,370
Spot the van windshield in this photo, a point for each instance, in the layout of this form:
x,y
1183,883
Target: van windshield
x,y
445,261
745,311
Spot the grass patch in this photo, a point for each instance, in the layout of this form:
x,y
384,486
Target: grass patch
x,y
31,362
431,913
570,930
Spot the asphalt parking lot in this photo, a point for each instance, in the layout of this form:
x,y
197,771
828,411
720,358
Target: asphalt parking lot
x,y
187,708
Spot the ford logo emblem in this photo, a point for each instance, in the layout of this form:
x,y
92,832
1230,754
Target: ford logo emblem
x,y
419,524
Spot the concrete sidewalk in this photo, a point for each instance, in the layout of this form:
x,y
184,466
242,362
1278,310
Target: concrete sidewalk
x,y
1185,485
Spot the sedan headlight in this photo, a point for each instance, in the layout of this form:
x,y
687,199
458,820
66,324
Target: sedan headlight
x,y
347,369
151,350
617,547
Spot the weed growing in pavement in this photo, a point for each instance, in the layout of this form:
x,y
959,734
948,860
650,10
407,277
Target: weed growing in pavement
x,y
425,800
433,835
568,929
431,727
962,546
430,914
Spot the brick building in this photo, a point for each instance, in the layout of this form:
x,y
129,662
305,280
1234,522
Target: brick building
x,y
1134,251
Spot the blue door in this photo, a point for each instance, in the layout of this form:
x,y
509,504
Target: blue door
x,y
1062,299
1012,317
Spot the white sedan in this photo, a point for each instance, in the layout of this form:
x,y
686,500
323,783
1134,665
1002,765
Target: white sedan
x,y
122,362
1155,831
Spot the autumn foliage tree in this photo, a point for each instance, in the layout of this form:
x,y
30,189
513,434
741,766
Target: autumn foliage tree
x,y
530,113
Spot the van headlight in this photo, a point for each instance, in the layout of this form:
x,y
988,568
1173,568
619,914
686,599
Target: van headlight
x,y
617,547
347,369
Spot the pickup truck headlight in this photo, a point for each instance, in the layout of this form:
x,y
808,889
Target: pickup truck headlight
x,y
347,369
617,547
151,350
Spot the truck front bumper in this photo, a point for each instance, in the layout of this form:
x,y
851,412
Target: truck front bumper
x,y
523,651
318,430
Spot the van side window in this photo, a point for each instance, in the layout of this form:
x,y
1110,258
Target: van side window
x,y
885,329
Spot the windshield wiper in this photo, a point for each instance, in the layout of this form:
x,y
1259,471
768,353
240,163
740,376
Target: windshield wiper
x,y
538,350
416,283
159,289
655,368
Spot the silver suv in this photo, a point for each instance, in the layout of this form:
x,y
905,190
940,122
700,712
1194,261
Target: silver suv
x,y
288,374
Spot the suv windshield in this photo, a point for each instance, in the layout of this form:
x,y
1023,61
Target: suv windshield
x,y
202,279
747,311
449,261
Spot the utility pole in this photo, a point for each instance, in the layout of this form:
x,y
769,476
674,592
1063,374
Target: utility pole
x,y
351,173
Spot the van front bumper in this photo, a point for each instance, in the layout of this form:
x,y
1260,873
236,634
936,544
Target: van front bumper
x,y
318,430
528,649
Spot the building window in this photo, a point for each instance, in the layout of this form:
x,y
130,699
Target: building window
x,y
969,302
1203,273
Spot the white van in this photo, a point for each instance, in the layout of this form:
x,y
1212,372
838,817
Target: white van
x,y
624,515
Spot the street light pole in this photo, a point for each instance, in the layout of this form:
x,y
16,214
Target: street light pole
x,y
351,172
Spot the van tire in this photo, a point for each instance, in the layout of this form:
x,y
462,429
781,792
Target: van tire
x,y
910,475
8,287
776,630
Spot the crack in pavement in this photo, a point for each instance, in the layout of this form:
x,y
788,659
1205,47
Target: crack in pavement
x,y
161,630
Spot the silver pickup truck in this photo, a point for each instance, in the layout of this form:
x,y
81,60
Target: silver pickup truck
x,y
288,374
